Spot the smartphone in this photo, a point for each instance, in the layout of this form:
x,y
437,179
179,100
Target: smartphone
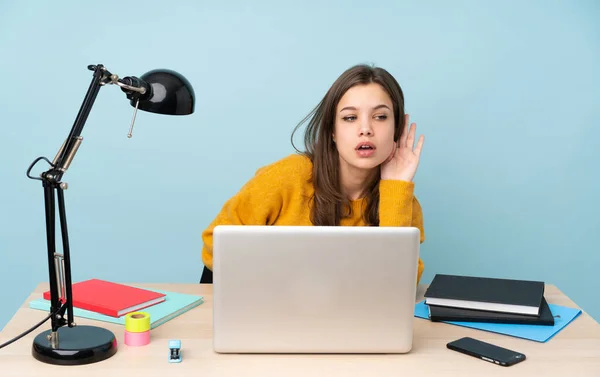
x,y
486,351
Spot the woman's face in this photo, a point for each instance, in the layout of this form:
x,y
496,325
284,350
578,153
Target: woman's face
x,y
364,127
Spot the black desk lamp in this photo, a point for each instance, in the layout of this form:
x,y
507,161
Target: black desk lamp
x,y
158,91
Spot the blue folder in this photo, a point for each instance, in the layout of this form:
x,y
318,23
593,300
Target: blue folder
x,y
562,317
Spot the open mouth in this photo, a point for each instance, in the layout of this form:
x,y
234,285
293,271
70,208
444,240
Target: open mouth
x,y
365,146
365,149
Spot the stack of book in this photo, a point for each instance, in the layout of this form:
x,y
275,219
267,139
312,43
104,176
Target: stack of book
x,y
112,299
107,301
482,299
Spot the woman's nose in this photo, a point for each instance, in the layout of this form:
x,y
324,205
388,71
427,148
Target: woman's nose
x,y
365,130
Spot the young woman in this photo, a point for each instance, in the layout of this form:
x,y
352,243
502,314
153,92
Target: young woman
x,y
357,168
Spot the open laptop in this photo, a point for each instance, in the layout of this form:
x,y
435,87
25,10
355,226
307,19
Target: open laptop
x,y
311,289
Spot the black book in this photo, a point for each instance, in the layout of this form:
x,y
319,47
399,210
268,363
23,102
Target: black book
x,y
488,294
444,313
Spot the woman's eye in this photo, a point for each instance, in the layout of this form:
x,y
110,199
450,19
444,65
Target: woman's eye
x,y
381,117
349,118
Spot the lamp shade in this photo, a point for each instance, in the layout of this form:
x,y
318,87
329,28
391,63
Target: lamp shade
x,y
170,93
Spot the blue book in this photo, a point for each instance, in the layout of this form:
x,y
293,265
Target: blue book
x,y
174,305
562,317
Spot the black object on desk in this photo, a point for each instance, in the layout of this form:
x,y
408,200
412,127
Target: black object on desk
x,y
489,294
486,351
158,91
207,276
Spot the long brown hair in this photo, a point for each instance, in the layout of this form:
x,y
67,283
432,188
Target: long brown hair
x,y
329,205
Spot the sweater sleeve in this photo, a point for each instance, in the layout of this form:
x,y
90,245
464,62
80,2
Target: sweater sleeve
x,y
257,203
399,207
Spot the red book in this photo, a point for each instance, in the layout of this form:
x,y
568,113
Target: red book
x,y
112,299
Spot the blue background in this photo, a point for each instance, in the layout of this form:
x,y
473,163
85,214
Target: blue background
x,y
507,94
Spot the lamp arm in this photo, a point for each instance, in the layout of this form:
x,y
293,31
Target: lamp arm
x,y
67,151
59,265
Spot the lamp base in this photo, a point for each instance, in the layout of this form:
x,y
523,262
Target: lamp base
x,y
76,346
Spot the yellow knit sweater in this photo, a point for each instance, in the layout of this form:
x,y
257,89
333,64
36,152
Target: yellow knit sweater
x,y
279,194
